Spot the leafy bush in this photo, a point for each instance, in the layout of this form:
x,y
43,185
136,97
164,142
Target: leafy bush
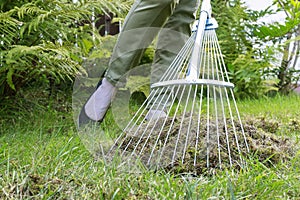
x,y
285,35
251,77
47,39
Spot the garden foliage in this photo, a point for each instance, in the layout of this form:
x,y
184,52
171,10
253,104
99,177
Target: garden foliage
x,y
44,41
283,38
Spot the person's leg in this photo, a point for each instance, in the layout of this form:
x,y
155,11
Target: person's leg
x,y
141,26
170,41
173,36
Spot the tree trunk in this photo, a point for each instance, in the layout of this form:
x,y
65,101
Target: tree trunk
x,y
284,81
297,48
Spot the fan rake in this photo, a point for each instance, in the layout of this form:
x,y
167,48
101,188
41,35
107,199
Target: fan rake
x,y
197,123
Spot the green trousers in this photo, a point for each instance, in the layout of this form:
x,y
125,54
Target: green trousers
x,y
169,19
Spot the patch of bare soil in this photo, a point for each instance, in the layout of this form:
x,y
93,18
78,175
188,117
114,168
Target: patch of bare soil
x,y
187,145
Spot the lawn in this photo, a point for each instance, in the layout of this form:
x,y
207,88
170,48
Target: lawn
x,y
42,157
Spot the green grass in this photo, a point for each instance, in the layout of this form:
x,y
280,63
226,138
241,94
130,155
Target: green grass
x,y
279,107
284,110
42,157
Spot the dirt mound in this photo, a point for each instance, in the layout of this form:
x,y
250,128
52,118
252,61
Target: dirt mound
x,y
187,145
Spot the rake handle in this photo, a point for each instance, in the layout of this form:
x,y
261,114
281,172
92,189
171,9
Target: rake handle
x,y
205,13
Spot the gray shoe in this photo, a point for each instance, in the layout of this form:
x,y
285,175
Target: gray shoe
x,y
155,114
95,108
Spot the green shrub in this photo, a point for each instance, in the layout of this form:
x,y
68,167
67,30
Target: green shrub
x,y
251,77
47,39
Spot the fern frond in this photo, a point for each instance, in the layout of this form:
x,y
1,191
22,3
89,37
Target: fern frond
x,y
28,9
49,59
29,35
8,27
